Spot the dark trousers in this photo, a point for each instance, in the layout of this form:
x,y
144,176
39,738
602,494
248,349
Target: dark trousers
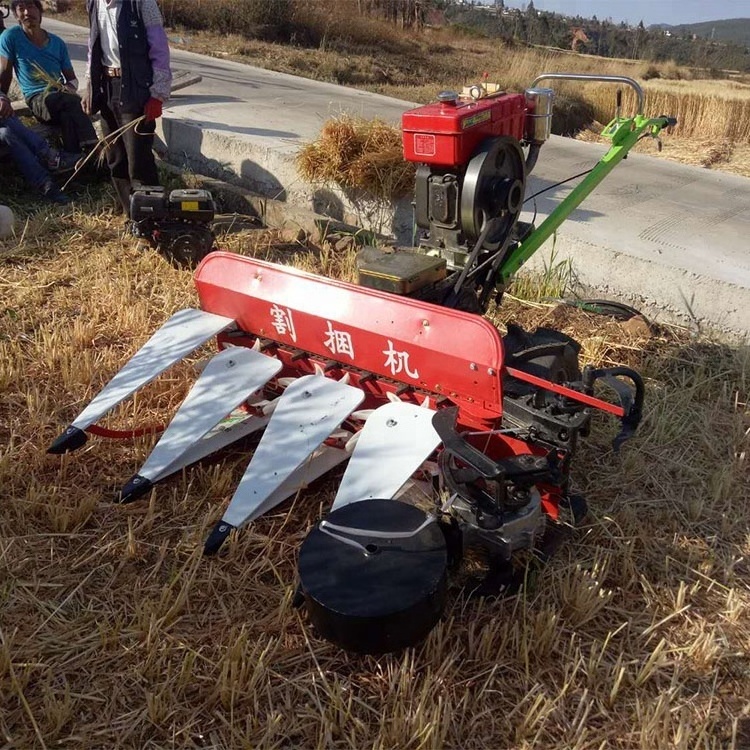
x,y
131,158
26,149
63,109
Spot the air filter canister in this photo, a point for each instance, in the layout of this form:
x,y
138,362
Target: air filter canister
x,y
374,575
538,114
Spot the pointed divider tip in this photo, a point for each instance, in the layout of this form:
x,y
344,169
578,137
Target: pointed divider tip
x,y
69,440
135,488
217,537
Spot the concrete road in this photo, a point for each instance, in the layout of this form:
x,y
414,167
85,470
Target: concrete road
x,y
662,235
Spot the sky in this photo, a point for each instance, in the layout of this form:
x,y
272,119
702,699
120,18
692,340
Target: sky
x,y
649,11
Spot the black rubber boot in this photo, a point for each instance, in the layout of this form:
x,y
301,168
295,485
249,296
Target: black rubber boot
x,y
122,191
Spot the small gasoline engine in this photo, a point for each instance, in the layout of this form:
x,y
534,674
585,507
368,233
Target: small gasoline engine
x,y
177,224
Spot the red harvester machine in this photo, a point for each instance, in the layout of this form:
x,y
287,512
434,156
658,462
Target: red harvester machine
x,y
401,377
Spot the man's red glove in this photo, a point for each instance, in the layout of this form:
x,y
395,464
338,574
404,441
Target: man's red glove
x,y
153,109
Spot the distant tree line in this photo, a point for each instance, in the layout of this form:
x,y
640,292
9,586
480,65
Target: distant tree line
x,y
406,13
605,38
531,26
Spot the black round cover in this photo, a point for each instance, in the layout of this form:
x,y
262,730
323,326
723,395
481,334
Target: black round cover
x,y
368,590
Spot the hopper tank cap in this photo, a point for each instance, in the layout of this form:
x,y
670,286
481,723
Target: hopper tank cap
x,y
448,97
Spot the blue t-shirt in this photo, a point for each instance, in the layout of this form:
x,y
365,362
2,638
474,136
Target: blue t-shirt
x,y
23,55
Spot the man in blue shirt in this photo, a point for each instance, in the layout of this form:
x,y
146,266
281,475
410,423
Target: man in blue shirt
x,y
39,59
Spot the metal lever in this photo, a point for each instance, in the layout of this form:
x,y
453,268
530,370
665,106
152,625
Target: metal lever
x,y
631,400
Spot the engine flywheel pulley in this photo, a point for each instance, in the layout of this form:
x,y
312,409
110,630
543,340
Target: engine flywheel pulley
x,y
374,575
493,188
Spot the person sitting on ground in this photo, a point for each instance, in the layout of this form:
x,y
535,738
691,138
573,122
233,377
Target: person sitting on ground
x,y
32,154
39,59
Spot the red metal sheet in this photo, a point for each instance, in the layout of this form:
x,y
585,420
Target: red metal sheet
x,y
445,352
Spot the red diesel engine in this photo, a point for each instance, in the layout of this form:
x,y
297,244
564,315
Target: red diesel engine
x,y
472,170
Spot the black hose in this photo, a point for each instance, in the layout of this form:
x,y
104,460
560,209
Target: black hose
x,y
532,156
557,184
617,310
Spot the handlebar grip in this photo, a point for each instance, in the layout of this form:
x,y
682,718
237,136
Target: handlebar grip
x,y
670,121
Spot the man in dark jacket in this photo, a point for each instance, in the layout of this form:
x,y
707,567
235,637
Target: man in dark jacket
x,y
128,77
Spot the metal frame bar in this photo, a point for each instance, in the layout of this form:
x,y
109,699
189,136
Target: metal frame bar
x,y
624,134
589,77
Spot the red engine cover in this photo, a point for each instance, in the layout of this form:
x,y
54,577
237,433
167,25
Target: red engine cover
x,y
447,134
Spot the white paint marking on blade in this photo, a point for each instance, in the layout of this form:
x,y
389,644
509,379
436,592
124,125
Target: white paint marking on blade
x,y
309,410
323,460
396,439
185,331
226,381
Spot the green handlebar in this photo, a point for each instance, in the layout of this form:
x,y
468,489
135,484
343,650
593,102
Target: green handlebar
x,y
623,132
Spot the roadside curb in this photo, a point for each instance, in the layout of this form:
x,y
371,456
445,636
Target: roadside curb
x,y
668,291
665,294
274,213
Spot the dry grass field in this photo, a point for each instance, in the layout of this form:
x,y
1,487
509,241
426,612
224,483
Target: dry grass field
x,y
115,632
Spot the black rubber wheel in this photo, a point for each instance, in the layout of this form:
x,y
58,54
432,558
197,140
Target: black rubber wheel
x,y
367,589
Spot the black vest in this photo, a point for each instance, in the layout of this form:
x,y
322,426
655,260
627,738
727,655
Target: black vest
x,y
137,74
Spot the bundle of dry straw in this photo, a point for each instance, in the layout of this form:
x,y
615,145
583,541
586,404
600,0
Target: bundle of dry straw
x,y
361,155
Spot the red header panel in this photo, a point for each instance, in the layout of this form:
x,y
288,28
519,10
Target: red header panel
x,y
446,352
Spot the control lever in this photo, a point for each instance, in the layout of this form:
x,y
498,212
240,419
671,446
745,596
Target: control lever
x,y
631,399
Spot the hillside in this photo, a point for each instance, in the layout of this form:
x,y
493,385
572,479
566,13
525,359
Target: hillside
x,y
606,38
729,30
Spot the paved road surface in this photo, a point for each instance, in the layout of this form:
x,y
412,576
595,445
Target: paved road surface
x,y
654,231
